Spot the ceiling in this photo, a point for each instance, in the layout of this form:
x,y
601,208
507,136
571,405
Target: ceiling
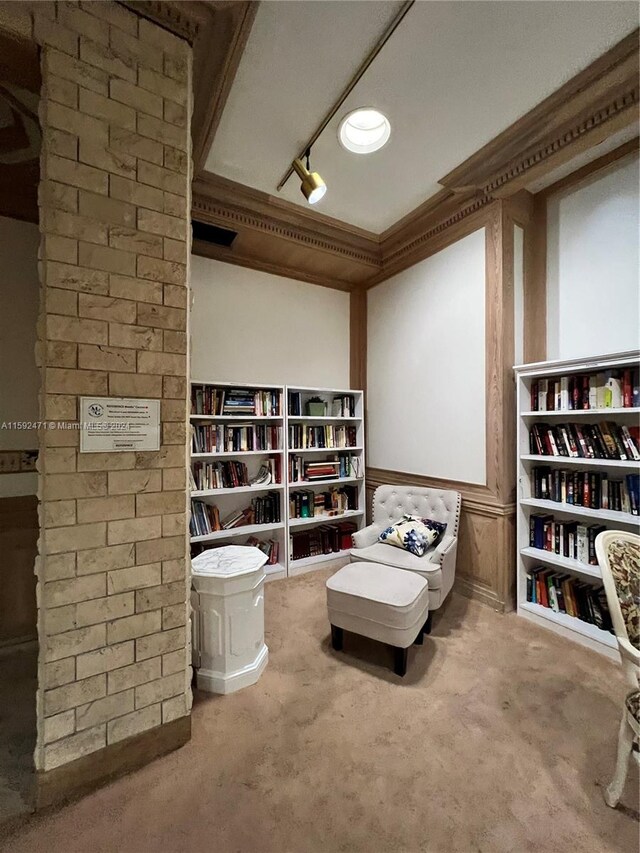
x,y
452,76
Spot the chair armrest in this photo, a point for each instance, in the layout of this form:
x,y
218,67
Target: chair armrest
x,y
448,543
367,536
630,661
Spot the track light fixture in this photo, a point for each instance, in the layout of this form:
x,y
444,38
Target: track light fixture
x,y
313,187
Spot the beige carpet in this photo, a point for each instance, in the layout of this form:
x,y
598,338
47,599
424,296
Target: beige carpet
x,y
500,738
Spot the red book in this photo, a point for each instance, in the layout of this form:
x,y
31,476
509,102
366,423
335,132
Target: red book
x,y
627,388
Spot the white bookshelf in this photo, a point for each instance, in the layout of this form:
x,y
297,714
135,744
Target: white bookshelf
x,y
529,557
233,499
354,420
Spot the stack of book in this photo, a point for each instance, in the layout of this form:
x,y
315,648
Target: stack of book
x,y
207,400
327,539
302,437
212,438
205,518
566,594
606,440
615,389
565,538
343,465
343,406
592,489
269,472
309,504
321,470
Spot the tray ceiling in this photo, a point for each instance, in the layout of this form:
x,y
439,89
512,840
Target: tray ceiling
x,y
453,76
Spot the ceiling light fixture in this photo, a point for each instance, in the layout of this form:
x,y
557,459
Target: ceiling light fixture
x,y
312,187
364,130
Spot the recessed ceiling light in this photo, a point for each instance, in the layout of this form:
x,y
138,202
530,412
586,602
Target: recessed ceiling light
x,y
364,130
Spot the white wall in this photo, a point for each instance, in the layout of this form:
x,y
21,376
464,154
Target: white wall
x,y
251,326
593,298
426,366
19,377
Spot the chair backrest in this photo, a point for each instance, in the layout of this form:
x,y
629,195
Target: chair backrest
x,y
618,556
390,503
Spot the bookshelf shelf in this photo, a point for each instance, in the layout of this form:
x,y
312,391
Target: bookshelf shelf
x,y
237,490
325,449
297,484
570,414
244,530
582,511
342,421
306,564
323,519
570,623
300,419
228,454
569,576
240,419
210,507
561,561
630,465
344,418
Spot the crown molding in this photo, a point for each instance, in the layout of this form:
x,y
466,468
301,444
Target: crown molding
x,y
277,236
590,107
184,19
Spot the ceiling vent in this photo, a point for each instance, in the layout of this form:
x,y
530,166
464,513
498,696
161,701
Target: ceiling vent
x,y
212,233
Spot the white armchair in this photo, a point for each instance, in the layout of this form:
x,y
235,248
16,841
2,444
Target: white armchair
x,y
619,559
438,565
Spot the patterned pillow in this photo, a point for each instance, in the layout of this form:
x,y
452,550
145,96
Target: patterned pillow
x,y
624,561
415,535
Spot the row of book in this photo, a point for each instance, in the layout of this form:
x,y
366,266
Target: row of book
x,y
270,547
304,503
231,474
205,518
593,489
613,389
302,437
606,440
566,594
325,539
207,400
338,465
215,438
566,538
342,405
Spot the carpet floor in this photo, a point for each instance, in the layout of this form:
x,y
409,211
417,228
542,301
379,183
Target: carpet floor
x,y
500,738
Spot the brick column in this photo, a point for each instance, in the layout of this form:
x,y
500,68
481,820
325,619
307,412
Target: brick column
x,y
114,219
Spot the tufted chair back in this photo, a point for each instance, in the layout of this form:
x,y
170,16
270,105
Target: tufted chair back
x,y
390,503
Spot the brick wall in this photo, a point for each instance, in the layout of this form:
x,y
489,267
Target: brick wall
x,y
114,220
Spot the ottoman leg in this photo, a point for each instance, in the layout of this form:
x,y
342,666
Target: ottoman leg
x,y
418,640
400,661
426,628
336,638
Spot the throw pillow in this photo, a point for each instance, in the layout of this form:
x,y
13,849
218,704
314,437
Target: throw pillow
x,y
413,534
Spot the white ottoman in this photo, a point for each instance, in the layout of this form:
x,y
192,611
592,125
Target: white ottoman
x,y
228,627
381,602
